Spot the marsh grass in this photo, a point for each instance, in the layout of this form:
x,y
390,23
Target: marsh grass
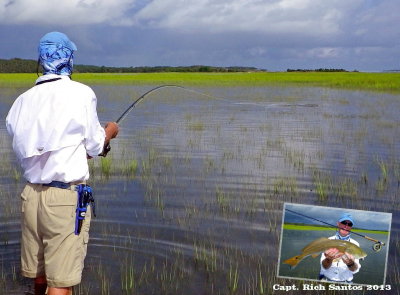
x,y
128,279
364,81
205,256
233,279
361,81
196,126
131,168
106,166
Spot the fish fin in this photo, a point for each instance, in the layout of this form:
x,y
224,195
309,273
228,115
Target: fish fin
x,y
315,255
293,261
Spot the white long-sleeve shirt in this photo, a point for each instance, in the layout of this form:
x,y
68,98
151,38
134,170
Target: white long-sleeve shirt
x,y
53,126
339,271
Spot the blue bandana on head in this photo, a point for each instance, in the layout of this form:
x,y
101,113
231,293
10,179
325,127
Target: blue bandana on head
x,y
56,54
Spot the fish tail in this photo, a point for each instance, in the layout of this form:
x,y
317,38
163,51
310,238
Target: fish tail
x,y
294,260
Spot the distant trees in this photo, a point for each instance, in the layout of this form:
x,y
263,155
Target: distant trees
x,y
316,70
17,65
159,69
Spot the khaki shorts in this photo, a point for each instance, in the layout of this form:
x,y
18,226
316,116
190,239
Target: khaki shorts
x,y
49,246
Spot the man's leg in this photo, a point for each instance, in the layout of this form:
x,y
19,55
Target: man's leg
x,y
40,285
59,291
32,260
62,246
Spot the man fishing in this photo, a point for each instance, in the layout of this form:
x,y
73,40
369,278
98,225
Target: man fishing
x,y
335,265
55,129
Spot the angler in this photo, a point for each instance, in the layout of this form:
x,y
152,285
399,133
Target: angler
x,y
55,130
340,258
340,264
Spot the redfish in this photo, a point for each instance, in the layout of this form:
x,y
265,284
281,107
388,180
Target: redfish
x,y
321,245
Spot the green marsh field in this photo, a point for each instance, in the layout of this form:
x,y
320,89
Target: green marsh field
x,y
388,82
190,198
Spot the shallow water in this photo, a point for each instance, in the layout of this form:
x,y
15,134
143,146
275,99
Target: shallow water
x,y
202,212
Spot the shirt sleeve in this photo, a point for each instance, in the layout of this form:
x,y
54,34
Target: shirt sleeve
x,y
95,134
8,125
10,119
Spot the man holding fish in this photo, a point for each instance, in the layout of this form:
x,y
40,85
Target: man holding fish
x,y
340,254
337,266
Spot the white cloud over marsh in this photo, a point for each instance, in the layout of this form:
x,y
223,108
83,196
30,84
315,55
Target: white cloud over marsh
x,y
272,34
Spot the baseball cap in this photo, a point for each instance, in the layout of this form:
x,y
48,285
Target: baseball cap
x,y
346,216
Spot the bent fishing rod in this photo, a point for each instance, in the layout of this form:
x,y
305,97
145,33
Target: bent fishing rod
x,y
107,147
377,246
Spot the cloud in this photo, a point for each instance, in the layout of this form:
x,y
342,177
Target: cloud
x,y
63,12
325,52
271,34
379,22
257,51
289,18
308,17
279,16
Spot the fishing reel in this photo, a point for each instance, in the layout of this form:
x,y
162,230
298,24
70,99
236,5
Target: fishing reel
x,y
377,246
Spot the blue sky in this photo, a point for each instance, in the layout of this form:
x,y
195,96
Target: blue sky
x,y
362,219
267,34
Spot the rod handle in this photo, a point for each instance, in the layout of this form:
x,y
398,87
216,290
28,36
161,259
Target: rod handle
x,y
106,149
373,240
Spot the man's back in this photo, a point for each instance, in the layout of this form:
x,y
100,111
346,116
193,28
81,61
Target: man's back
x,y
54,125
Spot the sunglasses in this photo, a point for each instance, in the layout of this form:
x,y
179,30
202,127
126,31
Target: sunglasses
x,y
349,223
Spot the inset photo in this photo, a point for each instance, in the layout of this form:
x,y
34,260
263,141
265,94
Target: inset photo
x,y
334,245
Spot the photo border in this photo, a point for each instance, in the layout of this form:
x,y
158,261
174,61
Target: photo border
x,y
349,210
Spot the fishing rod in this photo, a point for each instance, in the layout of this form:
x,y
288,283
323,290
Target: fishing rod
x,y
107,147
141,98
377,246
131,106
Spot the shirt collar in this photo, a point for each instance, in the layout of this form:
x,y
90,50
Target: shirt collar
x,y
51,76
345,238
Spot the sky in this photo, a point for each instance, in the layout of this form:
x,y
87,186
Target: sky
x,y
275,35
362,219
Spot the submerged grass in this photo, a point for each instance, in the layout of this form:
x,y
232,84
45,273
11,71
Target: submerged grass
x,y
362,81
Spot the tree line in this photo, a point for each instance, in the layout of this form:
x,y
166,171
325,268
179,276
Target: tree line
x,y
317,70
17,65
